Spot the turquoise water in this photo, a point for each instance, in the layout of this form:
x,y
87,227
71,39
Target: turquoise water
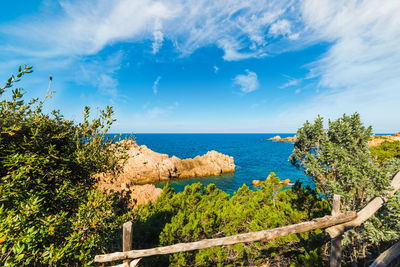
x,y
255,157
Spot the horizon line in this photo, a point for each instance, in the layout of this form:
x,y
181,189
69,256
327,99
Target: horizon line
x,y
228,133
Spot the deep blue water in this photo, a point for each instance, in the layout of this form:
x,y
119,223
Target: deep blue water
x,y
255,157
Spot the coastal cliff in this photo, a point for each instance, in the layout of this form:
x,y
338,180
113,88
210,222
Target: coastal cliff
x,y
146,166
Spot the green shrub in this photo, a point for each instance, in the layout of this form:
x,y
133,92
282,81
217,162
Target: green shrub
x,y
386,150
339,161
50,213
198,213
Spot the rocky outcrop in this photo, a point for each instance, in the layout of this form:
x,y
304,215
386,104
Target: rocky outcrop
x,y
146,166
143,166
134,194
285,182
290,139
376,140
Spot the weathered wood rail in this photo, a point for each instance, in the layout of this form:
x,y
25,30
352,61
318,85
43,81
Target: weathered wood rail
x,y
366,212
230,240
337,224
388,256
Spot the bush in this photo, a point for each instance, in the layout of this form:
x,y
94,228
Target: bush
x,y
198,213
50,212
386,150
339,161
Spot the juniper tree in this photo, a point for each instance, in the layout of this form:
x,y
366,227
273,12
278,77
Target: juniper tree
x,y
338,159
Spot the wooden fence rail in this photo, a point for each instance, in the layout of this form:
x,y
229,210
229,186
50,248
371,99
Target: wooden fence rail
x,y
230,240
337,224
366,212
388,256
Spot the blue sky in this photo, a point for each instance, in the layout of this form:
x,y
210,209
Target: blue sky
x,y
210,66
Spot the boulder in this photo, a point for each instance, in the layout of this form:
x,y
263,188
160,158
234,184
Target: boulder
x,y
146,166
141,194
275,138
134,194
290,139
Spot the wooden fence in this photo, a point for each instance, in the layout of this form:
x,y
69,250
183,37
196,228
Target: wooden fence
x,y
336,225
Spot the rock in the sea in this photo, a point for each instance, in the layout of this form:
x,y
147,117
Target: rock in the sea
x,y
256,182
275,138
146,166
290,139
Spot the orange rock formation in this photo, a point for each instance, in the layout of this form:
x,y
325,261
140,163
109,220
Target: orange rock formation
x,y
290,139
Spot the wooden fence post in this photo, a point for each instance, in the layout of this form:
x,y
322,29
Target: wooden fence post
x,y
336,243
127,244
127,240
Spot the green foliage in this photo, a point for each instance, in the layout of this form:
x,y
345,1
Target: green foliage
x,y
386,150
49,211
309,259
339,161
197,214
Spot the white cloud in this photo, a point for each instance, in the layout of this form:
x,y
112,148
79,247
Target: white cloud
x,y
365,36
216,69
86,27
283,28
361,69
291,82
155,85
158,37
99,72
107,85
248,83
232,50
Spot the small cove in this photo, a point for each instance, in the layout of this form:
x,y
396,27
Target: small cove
x,y
255,157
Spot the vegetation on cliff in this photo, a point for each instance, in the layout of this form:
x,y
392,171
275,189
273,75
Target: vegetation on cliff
x,y
387,150
197,214
50,213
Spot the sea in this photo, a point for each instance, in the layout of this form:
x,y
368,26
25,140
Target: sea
x,y
255,157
